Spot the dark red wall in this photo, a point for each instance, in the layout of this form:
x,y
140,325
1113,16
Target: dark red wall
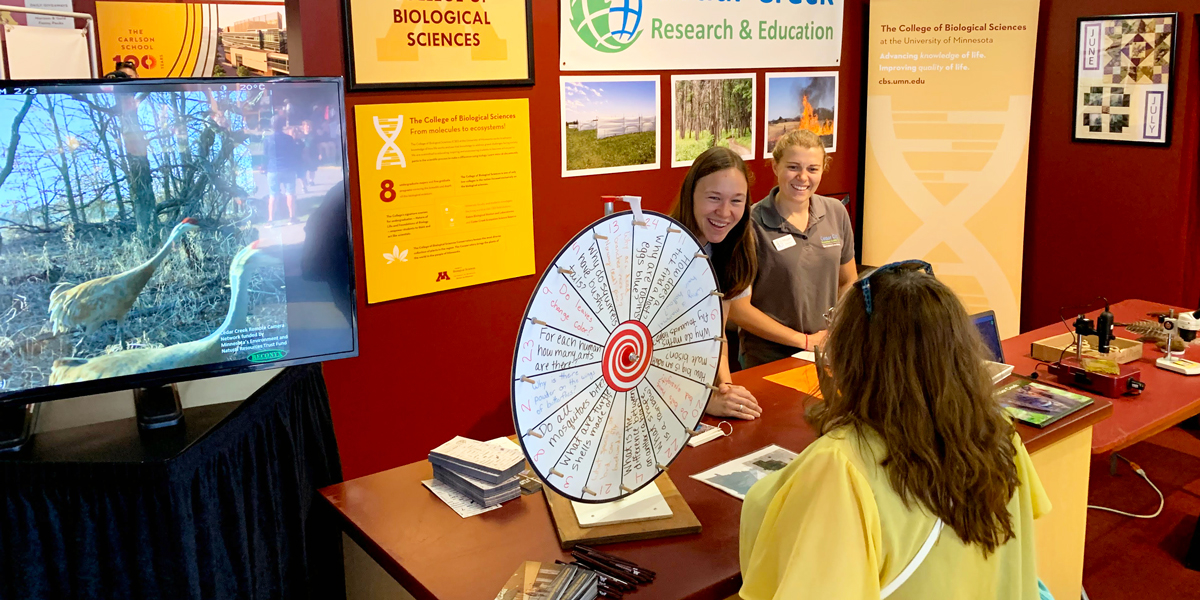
x,y
1101,219
436,366
1107,219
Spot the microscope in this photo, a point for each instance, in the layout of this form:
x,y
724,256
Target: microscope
x,y
1072,370
1186,325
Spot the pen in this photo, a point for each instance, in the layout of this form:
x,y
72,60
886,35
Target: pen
x,y
615,559
615,574
633,571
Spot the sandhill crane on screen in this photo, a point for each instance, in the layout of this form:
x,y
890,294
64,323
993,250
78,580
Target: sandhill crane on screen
x,y
95,302
203,351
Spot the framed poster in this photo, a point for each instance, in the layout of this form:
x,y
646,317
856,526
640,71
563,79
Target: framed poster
x,y
1124,79
412,44
609,123
802,100
446,195
712,110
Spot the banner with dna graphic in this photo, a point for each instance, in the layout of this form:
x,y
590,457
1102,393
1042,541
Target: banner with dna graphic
x,y
949,89
447,195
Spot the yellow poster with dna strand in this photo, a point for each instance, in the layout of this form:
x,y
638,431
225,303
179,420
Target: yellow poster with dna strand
x,y
446,193
949,90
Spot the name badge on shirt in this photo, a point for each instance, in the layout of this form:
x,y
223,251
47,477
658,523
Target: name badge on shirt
x,y
830,241
783,243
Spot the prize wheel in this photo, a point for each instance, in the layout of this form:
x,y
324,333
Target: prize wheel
x,y
616,356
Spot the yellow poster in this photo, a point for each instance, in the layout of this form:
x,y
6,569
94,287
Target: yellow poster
x,y
446,193
167,39
949,90
439,43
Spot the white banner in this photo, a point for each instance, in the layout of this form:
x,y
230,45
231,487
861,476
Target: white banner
x,y
47,53
633,35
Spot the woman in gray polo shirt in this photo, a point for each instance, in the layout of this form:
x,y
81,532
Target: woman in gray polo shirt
x,y
712,205
805,250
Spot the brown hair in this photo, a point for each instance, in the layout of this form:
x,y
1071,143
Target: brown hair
x,y
913,372
734,259
800,138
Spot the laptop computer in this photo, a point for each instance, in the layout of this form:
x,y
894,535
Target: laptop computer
x,y
985,322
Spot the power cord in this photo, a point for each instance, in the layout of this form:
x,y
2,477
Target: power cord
x,y
1136,469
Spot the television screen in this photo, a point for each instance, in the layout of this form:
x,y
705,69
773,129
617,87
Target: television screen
x,y
161,230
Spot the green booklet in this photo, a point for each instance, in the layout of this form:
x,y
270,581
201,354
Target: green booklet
x,y
1039,404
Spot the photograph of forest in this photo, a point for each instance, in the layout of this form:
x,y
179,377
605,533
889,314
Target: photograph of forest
x,y
138,223
712,110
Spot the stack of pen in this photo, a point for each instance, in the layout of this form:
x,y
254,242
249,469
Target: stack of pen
x,y
617,575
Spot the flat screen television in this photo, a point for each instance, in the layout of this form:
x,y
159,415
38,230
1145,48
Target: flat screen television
x,y
155,231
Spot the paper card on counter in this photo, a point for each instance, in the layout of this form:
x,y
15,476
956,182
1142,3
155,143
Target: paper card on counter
x,y
738,475
464,506
803,379
485,454
504,442
808,355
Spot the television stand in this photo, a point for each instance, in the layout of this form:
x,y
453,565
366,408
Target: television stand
x,y
17,424
157,407
161,515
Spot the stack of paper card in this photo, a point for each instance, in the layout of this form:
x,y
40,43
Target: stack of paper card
x,y
483,471
551,581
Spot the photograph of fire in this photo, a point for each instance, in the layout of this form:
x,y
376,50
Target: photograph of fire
x,y
801,101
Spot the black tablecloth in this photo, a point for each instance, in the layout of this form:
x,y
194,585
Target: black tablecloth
x,y
235,515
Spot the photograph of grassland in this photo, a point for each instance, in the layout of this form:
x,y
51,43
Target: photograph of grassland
x,y
712,110
801,101
610,124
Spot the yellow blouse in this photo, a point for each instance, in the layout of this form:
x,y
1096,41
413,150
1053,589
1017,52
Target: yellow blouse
x,y
830,526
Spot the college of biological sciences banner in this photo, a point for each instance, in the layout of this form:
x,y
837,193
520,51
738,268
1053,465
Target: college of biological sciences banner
x,y
630,35
439,43
949,88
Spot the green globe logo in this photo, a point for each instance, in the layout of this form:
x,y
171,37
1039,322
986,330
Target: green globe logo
x,y
607,25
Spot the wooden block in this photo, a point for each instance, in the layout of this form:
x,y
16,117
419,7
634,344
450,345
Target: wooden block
x,y
682,522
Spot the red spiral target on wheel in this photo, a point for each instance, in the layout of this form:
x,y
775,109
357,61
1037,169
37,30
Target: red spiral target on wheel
x,y
627,355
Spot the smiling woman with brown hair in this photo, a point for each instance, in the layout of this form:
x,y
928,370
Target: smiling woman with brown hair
x,y
712,204
911,439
